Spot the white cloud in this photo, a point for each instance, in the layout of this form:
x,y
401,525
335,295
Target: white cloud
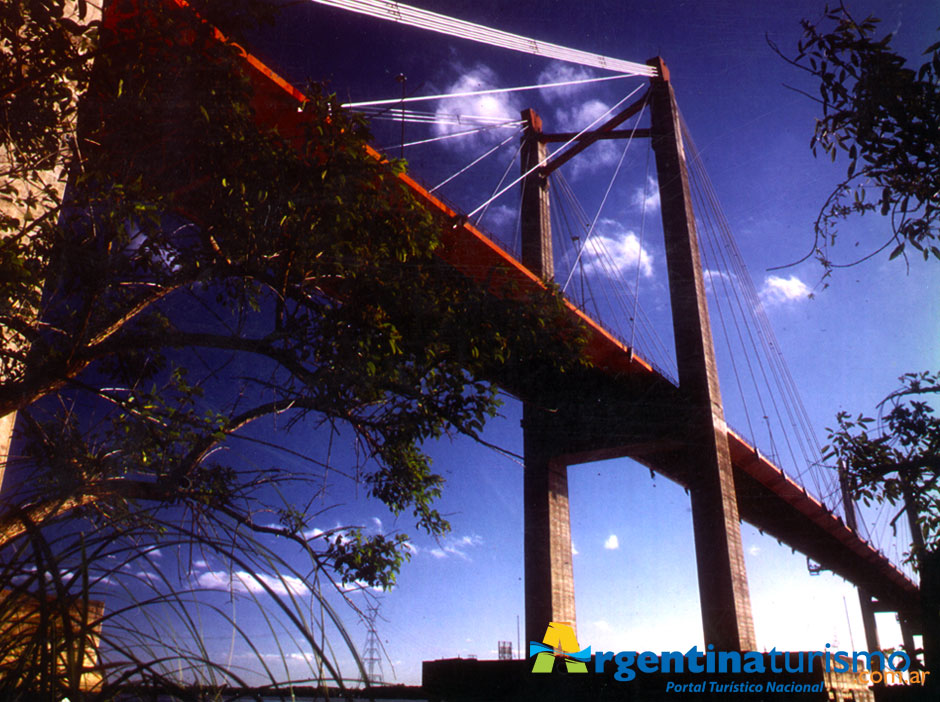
x,y
714,278
612,543
613,245
377,523
601,625
499,106
501,219
558,72
647,198
147,575
455,546
243,582
574,549
780,291
580,116
754,550
360,586
602,154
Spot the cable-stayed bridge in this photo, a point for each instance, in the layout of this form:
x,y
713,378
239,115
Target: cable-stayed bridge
x,y
625,405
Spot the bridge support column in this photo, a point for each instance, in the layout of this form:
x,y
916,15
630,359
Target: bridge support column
x,y
869,624
864,598
907,638
549,577
723,590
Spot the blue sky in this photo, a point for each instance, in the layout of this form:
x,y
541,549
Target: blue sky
x,y
845,345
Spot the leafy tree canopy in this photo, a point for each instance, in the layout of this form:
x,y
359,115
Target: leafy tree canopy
x,y
895,458
884,116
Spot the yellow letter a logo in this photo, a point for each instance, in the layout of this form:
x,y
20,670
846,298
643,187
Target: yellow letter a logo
x,y
559,636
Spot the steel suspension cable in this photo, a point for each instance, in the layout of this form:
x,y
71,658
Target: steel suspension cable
x,y
709,209
499,185
445,137
477,93
636,282
559,150
610,186
477,160
783,380
424,19
653,344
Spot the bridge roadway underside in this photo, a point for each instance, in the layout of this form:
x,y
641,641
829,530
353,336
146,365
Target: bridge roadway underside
x,y
595,415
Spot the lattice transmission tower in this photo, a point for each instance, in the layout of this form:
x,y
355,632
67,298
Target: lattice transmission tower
x,y
371,652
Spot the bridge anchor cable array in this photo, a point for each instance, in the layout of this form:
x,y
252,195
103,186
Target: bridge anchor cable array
x,y
435,22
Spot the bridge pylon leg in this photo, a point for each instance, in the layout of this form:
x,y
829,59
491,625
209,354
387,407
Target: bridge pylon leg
x,y
723,590
549,574
907,637
869,624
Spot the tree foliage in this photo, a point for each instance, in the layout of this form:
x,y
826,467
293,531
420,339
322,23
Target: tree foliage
x,y
884,117
895,459
205,284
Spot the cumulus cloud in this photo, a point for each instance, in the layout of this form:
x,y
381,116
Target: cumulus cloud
x,y
147,575
359,586
558,72
754,550
572,112
781,291
243,582
612,543
501,219
579,116
713,277
570,115
500,106
410,548
647,198
313,533
455,546
613,245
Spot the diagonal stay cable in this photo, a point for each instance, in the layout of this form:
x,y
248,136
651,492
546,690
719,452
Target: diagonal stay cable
x,y
600,207
477,93
454,135
545,160
477,160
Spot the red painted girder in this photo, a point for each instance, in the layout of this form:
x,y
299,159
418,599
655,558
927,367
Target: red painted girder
x,y
748,460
